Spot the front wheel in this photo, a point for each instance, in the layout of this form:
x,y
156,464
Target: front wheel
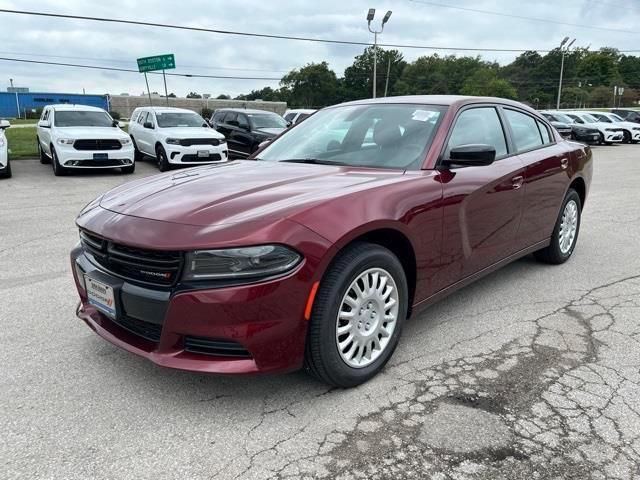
x,y
58,170
6,171
357,316
163,161
626,136
565,232
43,156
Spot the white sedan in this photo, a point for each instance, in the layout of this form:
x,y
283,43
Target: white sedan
x,y
5,166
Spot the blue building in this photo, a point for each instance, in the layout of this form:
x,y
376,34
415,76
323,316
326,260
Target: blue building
x,y
28,102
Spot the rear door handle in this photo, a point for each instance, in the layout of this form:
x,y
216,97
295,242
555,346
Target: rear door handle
x,y
564,163
517,182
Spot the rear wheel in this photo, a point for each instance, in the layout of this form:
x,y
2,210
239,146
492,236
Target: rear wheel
x,y
163,161
58,170
357,316
565,232
6,171
626,136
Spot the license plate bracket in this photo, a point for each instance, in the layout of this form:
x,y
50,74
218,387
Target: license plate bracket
x,y
101,156
101,296
203,153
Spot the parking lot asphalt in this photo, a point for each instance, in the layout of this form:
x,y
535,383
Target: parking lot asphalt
x,y
533,372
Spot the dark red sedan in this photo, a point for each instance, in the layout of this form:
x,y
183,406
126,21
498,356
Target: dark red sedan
x,y
315,252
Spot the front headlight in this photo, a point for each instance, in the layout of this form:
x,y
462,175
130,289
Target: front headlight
x,y
636,128
125,141
172,141
222,141
66,141
233,263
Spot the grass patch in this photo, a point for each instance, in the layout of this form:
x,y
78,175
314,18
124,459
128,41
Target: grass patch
x,y
23,121
22,142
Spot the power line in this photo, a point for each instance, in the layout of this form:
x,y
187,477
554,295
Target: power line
x,y
262,35
522,17
130,70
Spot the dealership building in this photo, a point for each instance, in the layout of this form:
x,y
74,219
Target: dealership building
x,y
20,103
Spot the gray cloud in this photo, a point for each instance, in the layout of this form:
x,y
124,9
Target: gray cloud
x,y
205,53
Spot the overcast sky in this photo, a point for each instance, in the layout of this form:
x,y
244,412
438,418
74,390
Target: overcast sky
x,y
116,45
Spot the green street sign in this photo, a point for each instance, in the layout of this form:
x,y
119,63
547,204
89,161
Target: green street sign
x,y
157,62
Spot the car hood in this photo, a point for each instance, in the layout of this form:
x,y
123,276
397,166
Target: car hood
x,y
190,132
271,132
240,191
90,132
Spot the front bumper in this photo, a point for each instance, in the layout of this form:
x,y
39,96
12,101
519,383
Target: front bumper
x,y
613,137
196,154
635,135
69,157
261,324
587,137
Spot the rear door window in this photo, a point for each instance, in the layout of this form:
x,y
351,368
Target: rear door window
x,y
526,134
544,131
231,118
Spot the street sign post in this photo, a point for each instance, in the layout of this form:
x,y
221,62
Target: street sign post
x,y
157,62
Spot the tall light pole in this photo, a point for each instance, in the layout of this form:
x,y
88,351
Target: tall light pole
x,y
370,14
564,50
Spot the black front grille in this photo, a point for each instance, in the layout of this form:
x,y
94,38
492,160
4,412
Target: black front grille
x,y
218,348
214,157
187,142
97,144
146,330
111,162
155,267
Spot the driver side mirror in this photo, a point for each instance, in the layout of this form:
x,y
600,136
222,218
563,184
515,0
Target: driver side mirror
x,y
4,124
148,125
44,124
118,124
471,155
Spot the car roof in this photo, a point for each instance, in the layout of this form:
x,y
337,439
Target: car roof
x,y
301,110
166,109
444,100
244,110
73,107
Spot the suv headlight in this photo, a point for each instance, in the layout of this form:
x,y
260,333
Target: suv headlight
x,y
65,141
256,262
125,141
635,128
173,141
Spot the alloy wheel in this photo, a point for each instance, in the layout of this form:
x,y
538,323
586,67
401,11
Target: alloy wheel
x,y
568,226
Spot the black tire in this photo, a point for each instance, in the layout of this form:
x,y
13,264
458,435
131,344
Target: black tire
x,y
137,154
58,170
626,136
161,157
553,253
44,159
6,171
130,169
322,357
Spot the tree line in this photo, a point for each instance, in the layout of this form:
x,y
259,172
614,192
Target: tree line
x,y
589,79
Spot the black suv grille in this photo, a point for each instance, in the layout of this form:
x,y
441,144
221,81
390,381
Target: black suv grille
x,y
187,142
219,348
154,267
98,144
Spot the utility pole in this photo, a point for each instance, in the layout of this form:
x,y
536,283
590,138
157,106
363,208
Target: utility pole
x,y
386,83
370,14
563,50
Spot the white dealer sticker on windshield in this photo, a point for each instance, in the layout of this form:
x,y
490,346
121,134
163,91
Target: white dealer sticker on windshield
x,y
423,115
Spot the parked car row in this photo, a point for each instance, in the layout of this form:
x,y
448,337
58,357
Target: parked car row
x,y
594,126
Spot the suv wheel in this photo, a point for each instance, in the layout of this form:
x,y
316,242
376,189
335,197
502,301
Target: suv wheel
x,y
58,170
163,161
6,171
137,154
357,316
43,156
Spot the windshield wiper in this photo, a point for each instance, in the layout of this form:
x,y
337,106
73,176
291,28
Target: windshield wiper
x,y
314,161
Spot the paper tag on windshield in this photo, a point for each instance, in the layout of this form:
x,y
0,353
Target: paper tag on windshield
x,y
422,115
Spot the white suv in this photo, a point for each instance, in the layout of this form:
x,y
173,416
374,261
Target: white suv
x,y
82,137
175,136
5,167
296,115
608,133
631,130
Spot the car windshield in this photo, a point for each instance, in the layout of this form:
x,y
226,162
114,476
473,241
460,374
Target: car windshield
x,y
589,118
179,119
267,120
561,117
82,119
615,117
377,135
602,118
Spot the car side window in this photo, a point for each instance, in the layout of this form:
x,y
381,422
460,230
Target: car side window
x,y
243,121
479,125
45,114
231,118
141,117
134,117
217,117
151,118
546,138
576,118
526,134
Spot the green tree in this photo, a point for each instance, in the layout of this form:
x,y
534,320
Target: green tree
x,y
223,97
358,78
193,95
314,85
601,97
485,83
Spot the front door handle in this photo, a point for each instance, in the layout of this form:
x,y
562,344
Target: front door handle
x,y
564,163
517,182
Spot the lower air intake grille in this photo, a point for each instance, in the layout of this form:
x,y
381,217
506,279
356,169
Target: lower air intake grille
x,y
146,330
219,348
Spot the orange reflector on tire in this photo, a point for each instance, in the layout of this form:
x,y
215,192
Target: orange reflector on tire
x,y
312,296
